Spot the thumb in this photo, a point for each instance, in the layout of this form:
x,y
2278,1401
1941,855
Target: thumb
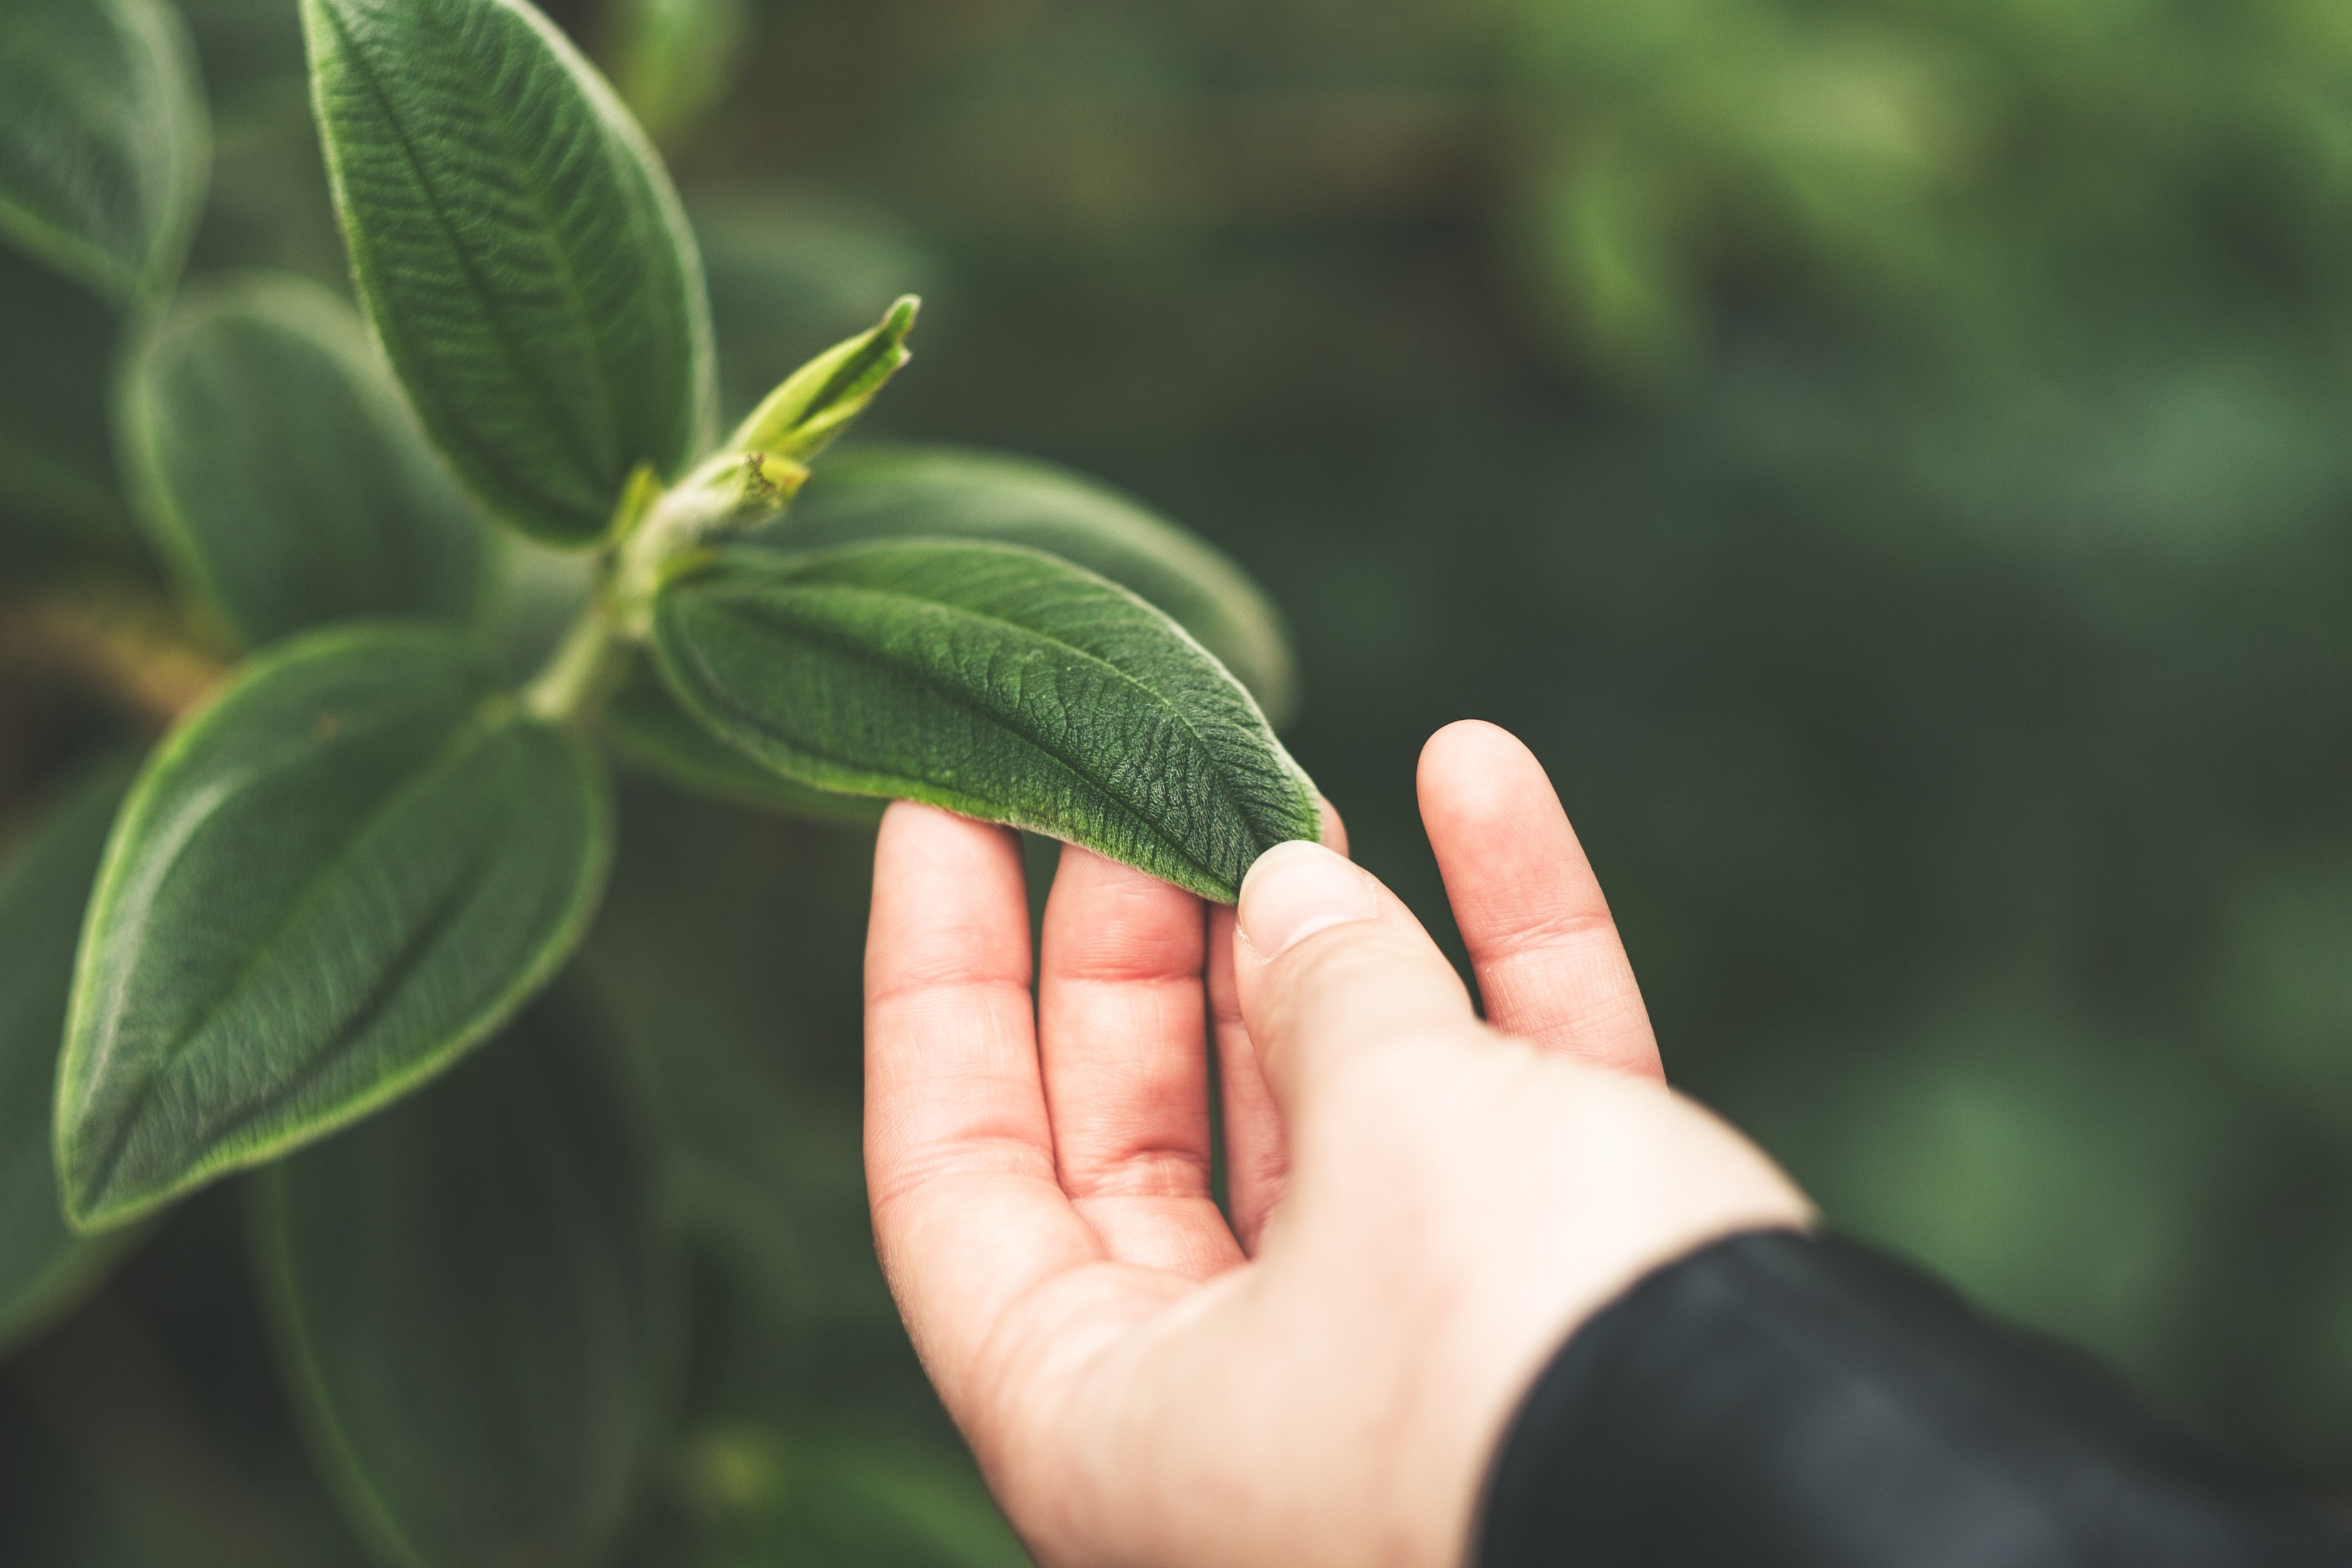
x,y
1330,966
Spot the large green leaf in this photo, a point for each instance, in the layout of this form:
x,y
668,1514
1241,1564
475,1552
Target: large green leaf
x,y
43,1265
646,729
346,870
519,249
468,1298
57,360
279,468
995,680
899,491
103,143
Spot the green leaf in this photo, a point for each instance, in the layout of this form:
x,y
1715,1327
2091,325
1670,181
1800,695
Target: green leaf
x,y
519,249
469,1302
103,143
44,1265
951,492
995,680
57,450
345,871
817,402
647,729
280,471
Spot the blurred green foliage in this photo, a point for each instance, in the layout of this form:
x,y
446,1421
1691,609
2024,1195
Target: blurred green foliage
x,y
2015,182
1892,461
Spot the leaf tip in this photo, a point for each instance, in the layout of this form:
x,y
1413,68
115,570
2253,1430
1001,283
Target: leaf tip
x,y
94,1202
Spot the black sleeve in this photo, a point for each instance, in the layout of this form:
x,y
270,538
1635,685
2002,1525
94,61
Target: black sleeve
x,y
1783,1401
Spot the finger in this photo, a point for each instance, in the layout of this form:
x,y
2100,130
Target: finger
x,y
1258,1154
1122,1036
1335,832
1550,966
968,1217
1331,968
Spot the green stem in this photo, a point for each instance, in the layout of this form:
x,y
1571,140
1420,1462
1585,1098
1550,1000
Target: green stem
x,y
570,687
654,532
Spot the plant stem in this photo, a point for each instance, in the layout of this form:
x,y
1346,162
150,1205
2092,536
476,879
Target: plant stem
x,y
125,645
570,687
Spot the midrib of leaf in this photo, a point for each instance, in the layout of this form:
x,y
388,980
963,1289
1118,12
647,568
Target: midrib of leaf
x,y
506,335
1198,742
602,387
412,953
1012,720
466,738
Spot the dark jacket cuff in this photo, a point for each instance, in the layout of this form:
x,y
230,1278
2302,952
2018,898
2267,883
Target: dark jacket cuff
x,y
1783,1399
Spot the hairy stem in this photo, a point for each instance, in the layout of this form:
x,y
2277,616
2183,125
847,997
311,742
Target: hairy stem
x,y
570,687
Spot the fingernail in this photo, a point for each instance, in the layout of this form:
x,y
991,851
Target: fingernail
x,y
1297,889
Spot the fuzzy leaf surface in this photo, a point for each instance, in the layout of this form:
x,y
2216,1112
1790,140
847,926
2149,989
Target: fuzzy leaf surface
x,y
345,871
43,889
104,147
995,680
468,1301
280,469
647,729
519,249
883,492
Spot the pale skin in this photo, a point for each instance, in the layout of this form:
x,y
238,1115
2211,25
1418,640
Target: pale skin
x,y
1423,1205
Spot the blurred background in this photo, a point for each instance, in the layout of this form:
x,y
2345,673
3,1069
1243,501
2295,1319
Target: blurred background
x,y
1892,461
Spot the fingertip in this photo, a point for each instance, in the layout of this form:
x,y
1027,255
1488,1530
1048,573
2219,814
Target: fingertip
x,y
946,883
1328,964
920,846
907,821
1467,732
1549,963
1335,831
1472,770
896,819
1294,889
1106,920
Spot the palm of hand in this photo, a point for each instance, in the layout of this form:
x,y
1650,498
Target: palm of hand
x,y
1422,1205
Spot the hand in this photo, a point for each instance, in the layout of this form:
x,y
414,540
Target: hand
x,y
1424,1206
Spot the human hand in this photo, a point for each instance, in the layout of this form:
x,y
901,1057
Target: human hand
x,y
1423,1205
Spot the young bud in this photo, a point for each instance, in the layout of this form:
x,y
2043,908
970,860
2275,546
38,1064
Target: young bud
x,y
818,401
729,491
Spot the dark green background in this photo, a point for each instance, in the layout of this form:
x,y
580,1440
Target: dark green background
x,y
1892,461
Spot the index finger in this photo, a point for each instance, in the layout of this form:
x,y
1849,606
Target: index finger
x,y
968,1216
